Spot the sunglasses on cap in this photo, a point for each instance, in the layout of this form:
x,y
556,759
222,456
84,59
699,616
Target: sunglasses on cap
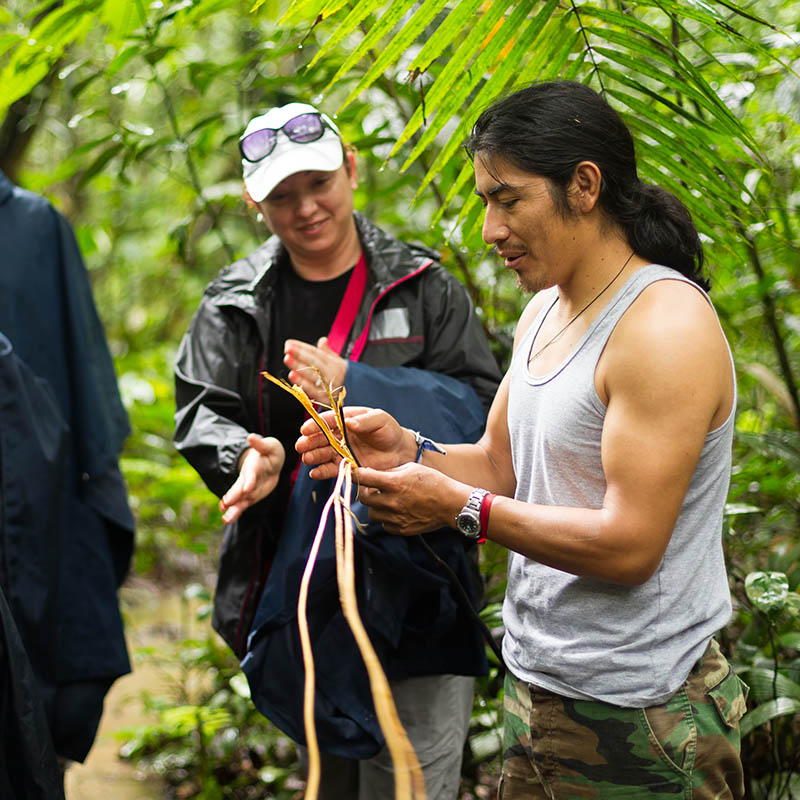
x,y
301,129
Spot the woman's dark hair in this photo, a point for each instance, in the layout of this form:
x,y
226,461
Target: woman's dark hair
x,y
549,128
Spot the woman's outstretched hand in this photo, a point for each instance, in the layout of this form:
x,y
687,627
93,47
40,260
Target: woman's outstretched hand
x,y
376,438
259,470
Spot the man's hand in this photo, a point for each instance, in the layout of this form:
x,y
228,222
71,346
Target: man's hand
x,y
259,470
411,499
314,368
377,439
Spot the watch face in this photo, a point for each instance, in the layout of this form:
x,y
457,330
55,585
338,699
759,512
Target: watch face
x,y
468,525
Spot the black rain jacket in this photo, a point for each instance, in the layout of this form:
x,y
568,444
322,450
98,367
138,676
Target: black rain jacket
x,y
66,545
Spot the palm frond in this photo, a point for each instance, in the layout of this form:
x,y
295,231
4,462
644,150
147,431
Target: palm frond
x,y
471,52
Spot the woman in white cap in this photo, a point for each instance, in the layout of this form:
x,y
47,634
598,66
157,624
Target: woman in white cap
x,y
331,299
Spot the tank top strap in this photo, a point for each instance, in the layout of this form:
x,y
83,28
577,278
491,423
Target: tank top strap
x,y
593,341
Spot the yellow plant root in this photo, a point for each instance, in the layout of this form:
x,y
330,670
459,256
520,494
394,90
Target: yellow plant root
x,y
309,687
299,394
409,782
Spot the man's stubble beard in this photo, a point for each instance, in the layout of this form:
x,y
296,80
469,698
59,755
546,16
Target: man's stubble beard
x,y
533,285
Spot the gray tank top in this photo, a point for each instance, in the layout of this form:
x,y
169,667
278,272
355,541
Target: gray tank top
x,y
581,637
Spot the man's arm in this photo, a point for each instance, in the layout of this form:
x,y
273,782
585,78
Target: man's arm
x,y
381,443
667,381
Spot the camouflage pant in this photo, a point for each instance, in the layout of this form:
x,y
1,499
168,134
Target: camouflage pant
x,y
558,748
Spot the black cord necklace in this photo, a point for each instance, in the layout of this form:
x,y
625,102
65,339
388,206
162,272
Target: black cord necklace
x,y
544,347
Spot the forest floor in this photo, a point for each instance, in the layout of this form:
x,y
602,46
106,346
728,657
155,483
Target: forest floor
x,y
152,615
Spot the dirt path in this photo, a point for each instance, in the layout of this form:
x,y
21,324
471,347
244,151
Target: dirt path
x,y
150,616
104,776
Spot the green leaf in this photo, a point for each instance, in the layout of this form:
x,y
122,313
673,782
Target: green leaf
x,y
791,639
677,180
349,24
201,74
470,215
559,55
376,33
62,27
298,10
701,139
762,714
77,88
765,684
14,85
776,444
97,165
464,177
574,69
497,82
453,74
122,18
155,54
558,32
767,591
679,86
37,54
449,31
204,122
713,17
122,58
398,46
515,28
661,50
8,40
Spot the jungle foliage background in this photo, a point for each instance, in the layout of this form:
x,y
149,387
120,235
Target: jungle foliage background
x,y
125,113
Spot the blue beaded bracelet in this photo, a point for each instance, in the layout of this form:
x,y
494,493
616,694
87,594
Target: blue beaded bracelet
x,y
424,443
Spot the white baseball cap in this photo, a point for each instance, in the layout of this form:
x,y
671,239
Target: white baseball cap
x,y
287,156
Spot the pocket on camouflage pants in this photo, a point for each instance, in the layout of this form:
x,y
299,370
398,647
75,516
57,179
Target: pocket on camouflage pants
x,y
559,748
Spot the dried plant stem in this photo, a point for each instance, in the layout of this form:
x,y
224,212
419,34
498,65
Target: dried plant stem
x,y
299,394
309,686
409,782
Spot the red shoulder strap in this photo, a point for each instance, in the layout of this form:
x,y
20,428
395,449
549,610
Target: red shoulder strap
x,y
348,309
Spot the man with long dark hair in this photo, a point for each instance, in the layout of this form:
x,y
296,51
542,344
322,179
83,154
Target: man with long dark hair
x,y
604,467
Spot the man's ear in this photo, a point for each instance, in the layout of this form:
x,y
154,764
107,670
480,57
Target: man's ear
x,y
584,188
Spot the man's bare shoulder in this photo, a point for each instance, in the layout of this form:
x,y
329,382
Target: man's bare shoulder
x,y
669,340
670,310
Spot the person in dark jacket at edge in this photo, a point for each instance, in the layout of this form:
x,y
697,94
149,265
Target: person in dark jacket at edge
x,y
66,537
332,299
32,437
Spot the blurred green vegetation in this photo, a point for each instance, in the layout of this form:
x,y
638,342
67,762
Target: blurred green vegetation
x,y
126,114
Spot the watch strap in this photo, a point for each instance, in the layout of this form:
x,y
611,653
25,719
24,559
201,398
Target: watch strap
x,y
468,519
486,504
476,499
